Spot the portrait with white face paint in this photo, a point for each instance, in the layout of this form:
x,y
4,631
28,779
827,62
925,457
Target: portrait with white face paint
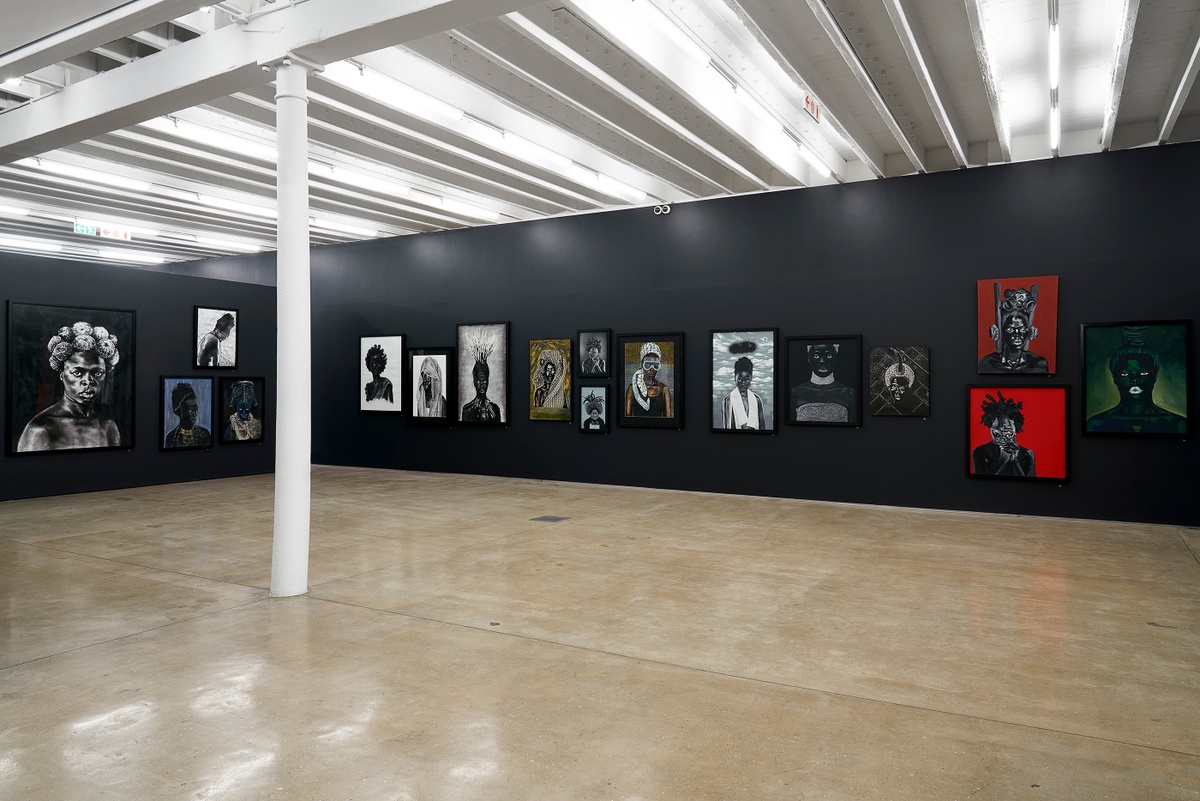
x,y
824,378
71,384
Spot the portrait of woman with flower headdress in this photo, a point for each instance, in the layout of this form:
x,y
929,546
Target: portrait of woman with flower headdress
x,y
72,378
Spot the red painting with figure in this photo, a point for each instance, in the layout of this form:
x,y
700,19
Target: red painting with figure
x,y
1018,325
1017,432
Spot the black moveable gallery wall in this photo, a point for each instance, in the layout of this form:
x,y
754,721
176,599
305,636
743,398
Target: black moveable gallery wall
x,y
164,346
896,261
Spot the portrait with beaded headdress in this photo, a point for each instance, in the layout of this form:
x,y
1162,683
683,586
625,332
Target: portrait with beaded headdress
x,y
1018,324
72,378
651,366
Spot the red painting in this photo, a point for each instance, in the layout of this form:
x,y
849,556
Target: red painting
x,y
1018,325
1017,432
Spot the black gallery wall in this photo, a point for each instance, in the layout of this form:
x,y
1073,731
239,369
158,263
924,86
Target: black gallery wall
x,y
896,261
163,346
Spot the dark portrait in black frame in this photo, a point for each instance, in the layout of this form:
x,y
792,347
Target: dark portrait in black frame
x,y
215,338
595,353
483,375
594,408
243,418
430,386
898,381
824,380
70,378
185,413
1137,379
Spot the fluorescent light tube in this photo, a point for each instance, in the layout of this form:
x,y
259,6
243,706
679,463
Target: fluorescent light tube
x,y
29,244
210,137
1054,58
1055,129
469,210
237,206
383,89
85,174
12,211
116,254
345,228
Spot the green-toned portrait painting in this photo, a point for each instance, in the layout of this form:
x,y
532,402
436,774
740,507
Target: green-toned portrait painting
x,y
1135,378
550,379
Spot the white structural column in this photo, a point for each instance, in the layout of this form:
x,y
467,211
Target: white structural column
x,y
293,396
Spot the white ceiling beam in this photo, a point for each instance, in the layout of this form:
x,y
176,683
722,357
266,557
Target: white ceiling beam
x,y
1181,87
95,32
990,82
915,47
915,153
1120,65
229,60
800,73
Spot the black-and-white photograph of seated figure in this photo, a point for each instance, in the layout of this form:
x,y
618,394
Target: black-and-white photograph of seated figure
x,y
899,381
380,360
824,380
71,378
216,338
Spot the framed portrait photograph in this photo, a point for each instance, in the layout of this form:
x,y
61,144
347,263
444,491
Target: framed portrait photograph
x,y
595,346
215,335
380,374
651,371
898,381
550,379
429,379
1136,378
594,414
743,387
70,378
185,416
1018,432
824,380
243,411
1018,325
483,374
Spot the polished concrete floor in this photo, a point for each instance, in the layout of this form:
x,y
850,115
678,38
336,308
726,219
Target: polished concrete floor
x,y
653,645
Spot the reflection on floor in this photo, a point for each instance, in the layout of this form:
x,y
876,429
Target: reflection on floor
x,y
651,645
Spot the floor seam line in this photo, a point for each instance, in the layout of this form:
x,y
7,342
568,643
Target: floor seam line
x,y
756,680
146,567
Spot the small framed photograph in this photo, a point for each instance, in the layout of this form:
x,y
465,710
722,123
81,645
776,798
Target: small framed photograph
x,y
1136,379
898,381
380,360
185,413
243,411
70,378
744,365
824,379
483,374
430,378
215,334
595,346
1017,332
594,415
651,368
550,379
1018,432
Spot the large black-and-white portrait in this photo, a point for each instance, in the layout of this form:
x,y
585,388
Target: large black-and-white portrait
x,y
380,360
824,380
593,360
743,381
483,374
70,378
215,336
899,381
431,379
186,414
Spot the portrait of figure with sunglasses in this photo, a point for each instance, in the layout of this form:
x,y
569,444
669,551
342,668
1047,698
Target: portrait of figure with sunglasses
x,y
646,395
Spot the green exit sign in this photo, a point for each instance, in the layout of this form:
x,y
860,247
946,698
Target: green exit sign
x,y
85,228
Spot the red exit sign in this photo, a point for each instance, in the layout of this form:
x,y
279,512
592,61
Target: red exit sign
x,y
810,105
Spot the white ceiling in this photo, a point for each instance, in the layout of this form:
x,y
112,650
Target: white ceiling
x,y
436,114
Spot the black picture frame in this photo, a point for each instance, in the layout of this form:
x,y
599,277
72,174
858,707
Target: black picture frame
x,y
898,381
729,347
487,344
207,323
604,337
36,381
419,412
382,392
630,411
171,436
543,398
813,400
1110,405
246,432
1043,440
584,393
